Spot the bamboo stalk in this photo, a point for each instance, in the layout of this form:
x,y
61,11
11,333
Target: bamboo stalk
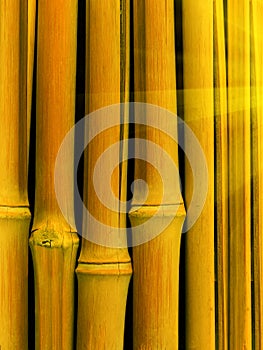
x,y
257,161
221,144
156,263
53,242
198,114
30,59
14,211
103,272
239,174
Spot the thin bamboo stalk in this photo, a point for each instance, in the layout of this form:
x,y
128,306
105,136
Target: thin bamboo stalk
x,y
30,58
14,211
221,187
238,49
53,242
156,263
257,161
198,114
103,272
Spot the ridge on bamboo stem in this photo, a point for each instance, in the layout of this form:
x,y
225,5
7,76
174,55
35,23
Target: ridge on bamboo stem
x,y
14,211
156,262
53,241
104,272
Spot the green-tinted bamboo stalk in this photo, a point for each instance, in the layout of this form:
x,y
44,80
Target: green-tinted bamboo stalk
x,y
156,263
14,211
103,272
257,161
221,179
238,49
199,115
53,242
30,58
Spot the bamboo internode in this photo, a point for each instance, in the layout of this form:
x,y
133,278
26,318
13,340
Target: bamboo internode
x,y
31,24
199,115
53,242
156,263
221,178
238,41
14,212
257,161
103,272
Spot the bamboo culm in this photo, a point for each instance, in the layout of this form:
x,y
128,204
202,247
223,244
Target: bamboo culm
x,y
53,241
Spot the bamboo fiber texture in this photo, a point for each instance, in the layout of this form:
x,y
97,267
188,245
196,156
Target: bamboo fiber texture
x,y
156,263
14,212
239,174
199,115
53,242
103,272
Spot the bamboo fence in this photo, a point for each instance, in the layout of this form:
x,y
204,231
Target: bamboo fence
x,y
135,51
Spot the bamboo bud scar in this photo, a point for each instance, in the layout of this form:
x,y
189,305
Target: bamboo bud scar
x,y
103,272
53,242
156,263
14,211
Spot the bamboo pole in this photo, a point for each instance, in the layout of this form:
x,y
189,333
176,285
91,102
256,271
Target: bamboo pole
x,y
53,242
198,114
103,272
156,263
221,179
239,174
257,161
14,211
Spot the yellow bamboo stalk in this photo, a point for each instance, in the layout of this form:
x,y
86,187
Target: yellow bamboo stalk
x,y
30,58
14,211
198,114
103,273
257,161
221,179
53,242
239,174
156,263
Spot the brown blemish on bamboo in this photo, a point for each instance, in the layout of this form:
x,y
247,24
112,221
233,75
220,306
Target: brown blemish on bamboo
x,y
53,242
